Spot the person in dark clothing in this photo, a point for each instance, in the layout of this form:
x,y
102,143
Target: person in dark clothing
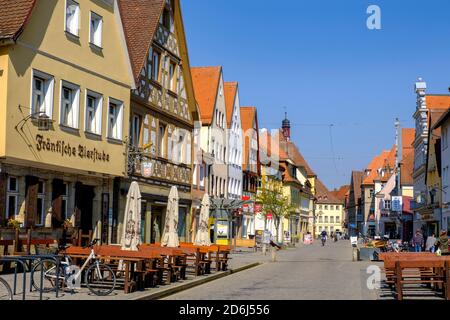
x,y
418,241
442,243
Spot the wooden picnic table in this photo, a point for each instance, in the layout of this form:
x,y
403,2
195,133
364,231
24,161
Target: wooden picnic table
x,y
416,268
129,259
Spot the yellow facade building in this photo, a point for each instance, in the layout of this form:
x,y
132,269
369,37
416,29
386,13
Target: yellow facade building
x,y
65,81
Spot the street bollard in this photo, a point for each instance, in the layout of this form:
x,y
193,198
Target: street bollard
x,y
274,254
355,254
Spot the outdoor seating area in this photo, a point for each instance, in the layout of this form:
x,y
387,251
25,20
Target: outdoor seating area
x,y
153,265
407,273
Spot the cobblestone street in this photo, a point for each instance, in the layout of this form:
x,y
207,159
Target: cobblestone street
x,y
306,272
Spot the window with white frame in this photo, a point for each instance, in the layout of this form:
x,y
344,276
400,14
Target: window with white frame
x,y
202,175
331,219
387,205
40,210
72,17
12,198
320,219
93,120
338,219
135,129
172,85
70,104
96,28
115,111
42,93
154,60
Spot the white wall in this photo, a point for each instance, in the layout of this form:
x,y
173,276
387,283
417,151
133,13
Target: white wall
x,y
234,156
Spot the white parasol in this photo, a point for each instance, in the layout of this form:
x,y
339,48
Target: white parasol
x,y
202,236
131,237
170,234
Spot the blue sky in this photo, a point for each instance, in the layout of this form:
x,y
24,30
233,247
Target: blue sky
x,y
320,61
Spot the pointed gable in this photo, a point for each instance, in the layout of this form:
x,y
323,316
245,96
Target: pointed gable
x,y
323,195
231,90
248,119
140,19
206,83
14,14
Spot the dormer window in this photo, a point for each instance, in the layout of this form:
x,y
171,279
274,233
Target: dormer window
x,y
166,19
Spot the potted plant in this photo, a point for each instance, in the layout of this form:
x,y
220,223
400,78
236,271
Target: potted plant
x,y
68,225
15,224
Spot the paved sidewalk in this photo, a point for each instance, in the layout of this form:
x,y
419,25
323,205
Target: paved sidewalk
x,y
242,259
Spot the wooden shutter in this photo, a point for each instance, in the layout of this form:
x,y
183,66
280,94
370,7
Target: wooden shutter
x,y
31,192
58,190
3,187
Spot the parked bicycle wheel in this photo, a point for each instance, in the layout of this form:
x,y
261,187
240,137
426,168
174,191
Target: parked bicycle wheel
x,y
5,290
100,279
48,267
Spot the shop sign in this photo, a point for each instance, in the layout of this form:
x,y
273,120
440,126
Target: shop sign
x,y
147,169
222,229
397,204
65,149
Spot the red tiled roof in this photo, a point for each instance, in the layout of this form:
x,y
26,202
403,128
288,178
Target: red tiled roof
x,y
206,83
291,151
140,19
231,90
341,192
357,177
407,168
408,135
323,195
385,160
437,101
14,14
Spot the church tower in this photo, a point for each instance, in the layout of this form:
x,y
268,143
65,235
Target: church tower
x,y
286,128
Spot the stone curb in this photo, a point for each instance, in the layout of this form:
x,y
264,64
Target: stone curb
x,y
194,283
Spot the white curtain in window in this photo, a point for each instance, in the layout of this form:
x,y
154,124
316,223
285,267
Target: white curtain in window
x,y
72,17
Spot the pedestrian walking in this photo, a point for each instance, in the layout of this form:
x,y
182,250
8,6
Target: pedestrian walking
x,y
323,236
442,243
417,241
429,245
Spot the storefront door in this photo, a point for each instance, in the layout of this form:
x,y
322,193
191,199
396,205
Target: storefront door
x,y
84,198
157,224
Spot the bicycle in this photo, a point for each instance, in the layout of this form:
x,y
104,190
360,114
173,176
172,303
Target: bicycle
x,y
5,290
99,278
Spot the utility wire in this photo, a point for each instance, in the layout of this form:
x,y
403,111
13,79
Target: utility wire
x,y
332,149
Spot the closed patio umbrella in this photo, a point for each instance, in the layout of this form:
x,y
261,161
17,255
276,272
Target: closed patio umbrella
x,y
131,237
202,238
170,234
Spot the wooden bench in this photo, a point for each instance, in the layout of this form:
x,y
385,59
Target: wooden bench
x,y
438,273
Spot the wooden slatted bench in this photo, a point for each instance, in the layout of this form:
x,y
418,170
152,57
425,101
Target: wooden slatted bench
x,y
439,273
